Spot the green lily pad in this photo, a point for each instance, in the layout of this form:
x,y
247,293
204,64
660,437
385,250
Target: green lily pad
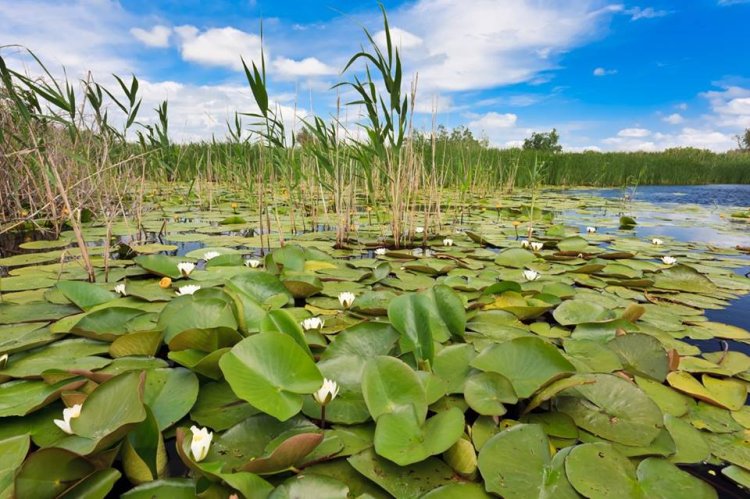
x,y
272,373
614,409
529,363
572,312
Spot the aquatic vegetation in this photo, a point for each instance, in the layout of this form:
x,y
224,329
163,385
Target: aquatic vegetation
x,y
588,359
235,336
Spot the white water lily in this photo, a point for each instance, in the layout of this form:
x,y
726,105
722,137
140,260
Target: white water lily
x,y
120,289
3,360
590,230
669,260
419,230
187,290
537,246
447,241
346,299
657,242
380,251
185,268
201,442
531,275
327,392
524,243
253,263
208,255
312,323
69,413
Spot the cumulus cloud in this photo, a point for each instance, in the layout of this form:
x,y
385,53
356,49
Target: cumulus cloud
x,y
604,72
81,35
493,120
198,112
673,119
582,148
309,66
218,46
158,36
634,132
731,106
478,44
400,38
657,141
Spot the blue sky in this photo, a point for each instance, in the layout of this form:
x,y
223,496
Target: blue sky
x,y
608,75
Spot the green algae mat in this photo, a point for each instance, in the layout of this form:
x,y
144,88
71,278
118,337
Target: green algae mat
x,y
476,364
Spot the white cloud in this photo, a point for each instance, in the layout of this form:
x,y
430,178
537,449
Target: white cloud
x,y
400,38
309,66
604,72
634,132
731,106
478,44
687,137
158,36
81,35
682,106
493,121
732,2
582,149
674,119
638,13
197,112
219,46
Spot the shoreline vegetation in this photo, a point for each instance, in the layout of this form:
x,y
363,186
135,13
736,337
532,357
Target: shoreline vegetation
x,y
70,147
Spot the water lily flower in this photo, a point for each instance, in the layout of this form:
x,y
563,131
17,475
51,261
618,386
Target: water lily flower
x,y
447,241
208,255
380,251
187,290
346,299
253,263
419,230
516,223
120,289
524,243
531,275
669,260
165,282
657,242
68,414
327,392
312,323
3,360
201,442
185,268
537,246
590,230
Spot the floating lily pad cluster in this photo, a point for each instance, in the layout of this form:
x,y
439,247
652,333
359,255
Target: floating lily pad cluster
x,y
567,369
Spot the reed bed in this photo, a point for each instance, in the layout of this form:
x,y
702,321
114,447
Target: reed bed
x,y
69,149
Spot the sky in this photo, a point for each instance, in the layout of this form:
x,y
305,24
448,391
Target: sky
x,y
607,75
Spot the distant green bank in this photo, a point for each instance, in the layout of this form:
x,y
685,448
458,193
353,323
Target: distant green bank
x,y
467,162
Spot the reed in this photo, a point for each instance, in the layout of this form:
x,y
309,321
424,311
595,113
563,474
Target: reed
x,y
62,154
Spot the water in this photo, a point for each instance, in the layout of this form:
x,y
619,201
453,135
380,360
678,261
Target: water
x,y
707,195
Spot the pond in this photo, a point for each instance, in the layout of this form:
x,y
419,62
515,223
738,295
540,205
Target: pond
x,y
515,337
690,213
